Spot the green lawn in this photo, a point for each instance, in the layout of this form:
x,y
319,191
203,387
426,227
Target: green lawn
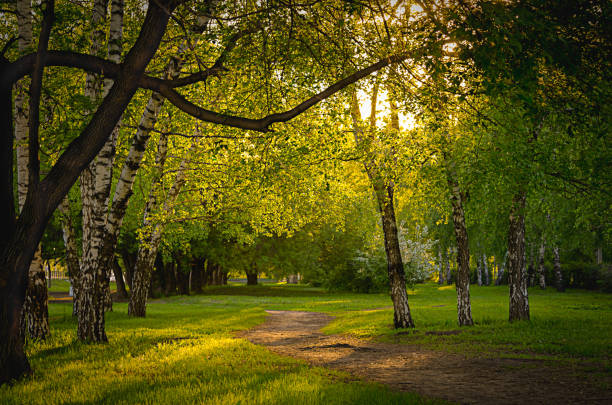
x,y
184,351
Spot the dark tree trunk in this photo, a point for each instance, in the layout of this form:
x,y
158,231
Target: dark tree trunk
x,y
121,291
170,274
462,283
197,275
251,277
129,260
182,279
517,278
557,268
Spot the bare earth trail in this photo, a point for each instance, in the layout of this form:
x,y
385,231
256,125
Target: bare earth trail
x,y
434,374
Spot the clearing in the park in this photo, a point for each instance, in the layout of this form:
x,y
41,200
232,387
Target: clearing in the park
x,y
197,349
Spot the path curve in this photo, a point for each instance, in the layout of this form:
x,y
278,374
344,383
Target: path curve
x,y
434,374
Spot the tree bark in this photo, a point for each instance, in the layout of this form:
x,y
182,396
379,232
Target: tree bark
x,y
197,275
517,277
123,189
121,291
541,276
462,283
153,232
479,272
501,270
383,190
449,275
485,267
441,269
557,268
251,277
35,315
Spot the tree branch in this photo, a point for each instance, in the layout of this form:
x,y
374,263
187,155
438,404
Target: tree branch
x,y
35,91
263,124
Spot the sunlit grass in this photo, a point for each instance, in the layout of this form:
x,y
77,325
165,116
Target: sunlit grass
x,y
185,350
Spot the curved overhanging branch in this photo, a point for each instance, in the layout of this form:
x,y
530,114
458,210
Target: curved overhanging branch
x,y
263,124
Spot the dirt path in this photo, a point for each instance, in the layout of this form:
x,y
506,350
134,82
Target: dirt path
x,y
430,373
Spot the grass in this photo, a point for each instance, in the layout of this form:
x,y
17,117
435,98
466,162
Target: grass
x,y
185,352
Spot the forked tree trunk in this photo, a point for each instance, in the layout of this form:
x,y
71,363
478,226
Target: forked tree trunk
x,y
557,268
541,277
464,306
517,277
20,237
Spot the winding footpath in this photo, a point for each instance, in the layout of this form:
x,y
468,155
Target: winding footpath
x,y
434,374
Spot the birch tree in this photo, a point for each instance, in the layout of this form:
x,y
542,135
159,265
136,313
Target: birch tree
x,y
35,316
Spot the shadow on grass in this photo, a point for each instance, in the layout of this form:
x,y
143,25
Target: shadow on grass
x,y
264,291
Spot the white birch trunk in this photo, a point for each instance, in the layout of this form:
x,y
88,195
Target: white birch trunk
x,y
541,277
34,315
123,189
90,303
485,268
72,253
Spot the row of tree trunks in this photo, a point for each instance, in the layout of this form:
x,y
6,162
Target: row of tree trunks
x,y
21,236
123,189
151,239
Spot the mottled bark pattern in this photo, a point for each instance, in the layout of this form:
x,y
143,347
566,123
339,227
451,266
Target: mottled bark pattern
x,y
479,272
517,277
123,189
91,300
35,314
462,282
541,277
383,189
557,269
